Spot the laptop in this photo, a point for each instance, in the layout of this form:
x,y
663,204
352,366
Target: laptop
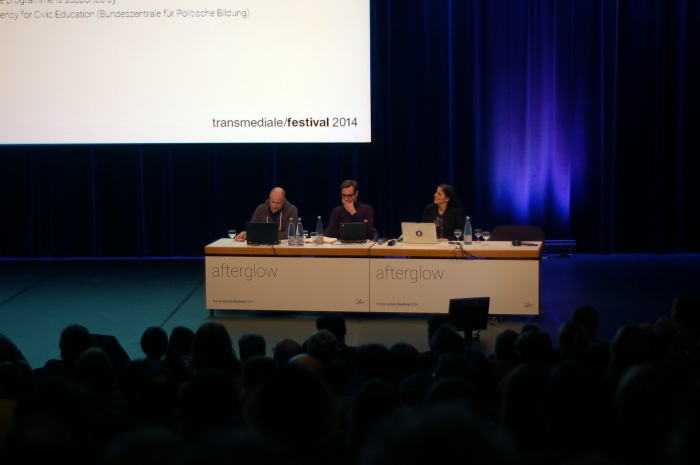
x,y
353,233
261,233
419,233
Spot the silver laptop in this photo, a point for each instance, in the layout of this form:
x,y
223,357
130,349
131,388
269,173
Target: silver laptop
x,y
419,233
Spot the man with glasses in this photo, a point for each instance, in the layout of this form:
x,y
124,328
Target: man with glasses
x,y
351,211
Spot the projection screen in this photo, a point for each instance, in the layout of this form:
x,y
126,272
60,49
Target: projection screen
x,y
184,71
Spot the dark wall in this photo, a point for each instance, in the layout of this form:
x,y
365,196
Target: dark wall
x,y
579,116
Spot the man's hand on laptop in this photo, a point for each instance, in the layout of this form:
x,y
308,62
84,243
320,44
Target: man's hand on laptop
x,y
240,237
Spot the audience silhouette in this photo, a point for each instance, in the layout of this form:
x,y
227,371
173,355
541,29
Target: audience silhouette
x,y
190,400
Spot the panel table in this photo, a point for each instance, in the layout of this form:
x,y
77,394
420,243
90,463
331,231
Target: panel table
x,y
327,277
423,278
372,277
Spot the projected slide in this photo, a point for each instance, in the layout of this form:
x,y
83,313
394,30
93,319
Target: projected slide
x,y
184,71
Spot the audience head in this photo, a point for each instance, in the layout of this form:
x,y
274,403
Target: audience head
x,y
454,364
683,447
644,400
285,349
521,402
375,400
446,339
234,446
209,399
435,320
294,409
686,311
404,358
150,445
468,367
372,361
588,317
573,339
63,401
323,346
668,325
93,370
180,342
157,393
154,342
630,346
455,389
441,433
257,370
212,348
335,323
529,327
534,346
250,345
37,439
8,350
505,346
307,363
671,339
573,400
15,378
75,339
129,379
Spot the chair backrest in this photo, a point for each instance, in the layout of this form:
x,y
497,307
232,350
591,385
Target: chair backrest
x,y
514,231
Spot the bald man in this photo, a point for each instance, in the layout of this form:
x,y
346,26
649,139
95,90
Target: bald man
x,y
276,209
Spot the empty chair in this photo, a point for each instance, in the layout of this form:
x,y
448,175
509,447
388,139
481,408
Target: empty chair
x,y
513,231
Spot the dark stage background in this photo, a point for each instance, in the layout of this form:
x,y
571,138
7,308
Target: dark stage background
x,y
581,116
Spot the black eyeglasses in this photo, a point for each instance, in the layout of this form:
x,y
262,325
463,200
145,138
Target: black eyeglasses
x,y
348,196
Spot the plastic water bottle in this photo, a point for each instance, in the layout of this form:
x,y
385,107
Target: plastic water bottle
x,y
300,233
467,232
291,234
319,231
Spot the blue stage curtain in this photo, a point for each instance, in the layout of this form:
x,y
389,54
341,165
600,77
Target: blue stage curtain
x,y
580,116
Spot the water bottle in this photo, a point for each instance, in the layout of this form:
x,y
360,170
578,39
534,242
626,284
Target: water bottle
x,y
291,234
319,231
300,233
467,232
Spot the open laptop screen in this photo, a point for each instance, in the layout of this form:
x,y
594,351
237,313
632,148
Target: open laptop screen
x,y
419,233
261,233
353,233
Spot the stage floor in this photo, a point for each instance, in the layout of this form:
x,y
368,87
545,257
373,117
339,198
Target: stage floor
x,y
38,298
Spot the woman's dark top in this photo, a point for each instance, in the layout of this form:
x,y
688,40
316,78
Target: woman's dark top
x,y
452,219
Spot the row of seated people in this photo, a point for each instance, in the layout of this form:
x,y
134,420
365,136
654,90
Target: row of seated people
x,y
192,398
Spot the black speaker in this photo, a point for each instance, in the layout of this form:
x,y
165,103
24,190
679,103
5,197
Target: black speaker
x,y
470,314
114,351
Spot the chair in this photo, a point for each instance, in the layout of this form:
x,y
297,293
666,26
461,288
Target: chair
x,y
522,232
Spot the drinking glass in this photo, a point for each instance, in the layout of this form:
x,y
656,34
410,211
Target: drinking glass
x,y
477,234
232,234
486,235
458,233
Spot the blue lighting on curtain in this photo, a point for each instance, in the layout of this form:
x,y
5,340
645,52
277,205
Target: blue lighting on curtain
x,y
529,132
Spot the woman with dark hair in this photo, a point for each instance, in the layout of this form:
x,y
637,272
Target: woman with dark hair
x,y
445,212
